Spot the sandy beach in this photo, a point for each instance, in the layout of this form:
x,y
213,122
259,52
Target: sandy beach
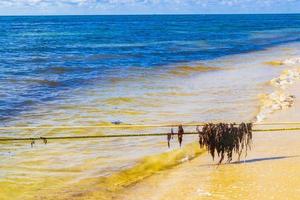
x,y
270,171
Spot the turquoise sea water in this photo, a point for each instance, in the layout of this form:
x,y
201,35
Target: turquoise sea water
x,y
95,70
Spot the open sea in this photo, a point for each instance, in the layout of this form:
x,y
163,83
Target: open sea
x,y
101,70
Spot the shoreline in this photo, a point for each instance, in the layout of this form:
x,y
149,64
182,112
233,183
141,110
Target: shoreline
x,y
274,158
202,178
161,182
253,179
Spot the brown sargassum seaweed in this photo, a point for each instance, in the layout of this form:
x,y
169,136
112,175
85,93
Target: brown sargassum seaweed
x,y
221,139
225,139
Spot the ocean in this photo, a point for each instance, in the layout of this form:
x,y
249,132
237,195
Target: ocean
x,y
144,69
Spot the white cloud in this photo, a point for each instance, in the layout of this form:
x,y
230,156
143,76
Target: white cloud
x,y
149,6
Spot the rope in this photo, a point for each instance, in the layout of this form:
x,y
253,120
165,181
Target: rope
x,y
129,126
99,126
276,129
91,136
123,135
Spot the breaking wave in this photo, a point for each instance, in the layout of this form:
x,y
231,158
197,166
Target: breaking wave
x,y
280,98
275,101
288,62
152,164
107,187
187,70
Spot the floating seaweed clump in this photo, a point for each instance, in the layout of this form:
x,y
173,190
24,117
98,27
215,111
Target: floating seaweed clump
x,y
225,139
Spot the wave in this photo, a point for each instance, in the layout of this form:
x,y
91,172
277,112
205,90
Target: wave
x,y
96,57
292,61
54,70
38,59
288,62
288,77
272,102
44,82
274,63
187,70
172,94
60,70
279,99
119,100
108,186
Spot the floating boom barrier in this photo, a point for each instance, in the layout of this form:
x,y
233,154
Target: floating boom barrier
x,y
128,126
7,139
223,139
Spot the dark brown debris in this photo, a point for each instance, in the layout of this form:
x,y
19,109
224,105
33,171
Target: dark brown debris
x,y
180,134
169,137
225,139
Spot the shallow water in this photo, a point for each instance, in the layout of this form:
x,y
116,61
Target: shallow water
x,y
98,70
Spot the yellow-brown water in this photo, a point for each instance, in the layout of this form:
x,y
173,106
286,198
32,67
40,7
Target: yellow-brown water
x,y
188,70
59,183
81,169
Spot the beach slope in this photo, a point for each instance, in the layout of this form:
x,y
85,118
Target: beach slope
x,y
270,171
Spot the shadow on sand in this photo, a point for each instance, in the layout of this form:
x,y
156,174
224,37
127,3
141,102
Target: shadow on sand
x,y
251,160
263,159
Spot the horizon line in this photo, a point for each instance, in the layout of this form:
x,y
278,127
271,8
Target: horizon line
x,y
147,14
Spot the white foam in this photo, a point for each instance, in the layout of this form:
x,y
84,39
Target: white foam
x,y
292,61
274,101
186,158
287,78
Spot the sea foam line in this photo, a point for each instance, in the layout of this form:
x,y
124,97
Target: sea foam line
x,y
280,99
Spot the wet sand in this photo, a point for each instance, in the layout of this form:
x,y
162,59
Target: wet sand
x,y
270,171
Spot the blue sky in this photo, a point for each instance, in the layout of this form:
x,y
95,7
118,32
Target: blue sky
x,y
65,7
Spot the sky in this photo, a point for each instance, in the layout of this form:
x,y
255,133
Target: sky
x,y
114,7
